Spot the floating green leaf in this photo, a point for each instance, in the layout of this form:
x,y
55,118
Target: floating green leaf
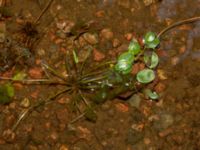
x,y
145,76
151,40
151,60
150,94
124,63
134,47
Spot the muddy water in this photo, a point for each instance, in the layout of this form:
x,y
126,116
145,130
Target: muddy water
x,y
170,124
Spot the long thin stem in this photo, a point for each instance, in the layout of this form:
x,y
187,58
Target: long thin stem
x,y
43,11
53,71
43,102
179,23
36,81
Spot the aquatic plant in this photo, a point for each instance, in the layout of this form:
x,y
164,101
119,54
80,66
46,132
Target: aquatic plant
x,y
95,84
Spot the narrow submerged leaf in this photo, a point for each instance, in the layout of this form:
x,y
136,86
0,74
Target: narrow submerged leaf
x,y
151,60
76,60
6,93
145,76
19,76
10,90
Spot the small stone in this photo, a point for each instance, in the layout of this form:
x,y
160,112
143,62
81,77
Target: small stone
x,y
41,52
166,132
147,141
100,13
122,107
98,56
25,103
54,136
160,87
9,135
182,50
106,34
135,101
161,74
116,43
175,60
35,72
81,41
128,36
91,38
63,147
62,115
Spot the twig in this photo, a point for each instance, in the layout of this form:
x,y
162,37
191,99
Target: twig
x,y
25,112
36,81
179,23
43,11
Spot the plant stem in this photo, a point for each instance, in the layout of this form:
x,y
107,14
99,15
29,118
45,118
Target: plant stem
x,y
43,11
179,23
43,102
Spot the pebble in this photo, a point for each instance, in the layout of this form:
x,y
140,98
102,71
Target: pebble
x,y
91,38
135,101
25,103
63,147
100,13
62,115
116,43
175,60
161,74
160,87
134,137
128,36
9,135
106,34
98,56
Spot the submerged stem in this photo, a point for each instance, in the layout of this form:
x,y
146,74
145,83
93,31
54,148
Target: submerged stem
x,y
43,102
179,23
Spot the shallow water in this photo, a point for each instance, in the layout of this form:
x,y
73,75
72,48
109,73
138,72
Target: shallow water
x,y
171,123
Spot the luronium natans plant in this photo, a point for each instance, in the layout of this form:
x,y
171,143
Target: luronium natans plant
x,y
104,81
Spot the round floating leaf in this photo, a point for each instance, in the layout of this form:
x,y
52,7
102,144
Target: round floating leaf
x,y
149,37
145,76
151,40
134,47
151,95
151,60
124,63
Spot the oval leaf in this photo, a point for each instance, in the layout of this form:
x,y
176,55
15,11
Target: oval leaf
x,y
151,40
124,63
151,60
145,76
134,47
150,94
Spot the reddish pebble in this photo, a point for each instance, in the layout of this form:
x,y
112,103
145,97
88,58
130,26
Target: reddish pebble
x,y
35,72
128,36
182,50
122,107
98,56
160,87
100,13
